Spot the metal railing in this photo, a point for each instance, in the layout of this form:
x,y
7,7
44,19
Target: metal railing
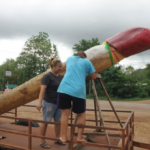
x,y
127,131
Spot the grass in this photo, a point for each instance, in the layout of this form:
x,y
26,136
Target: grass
x,y
119,99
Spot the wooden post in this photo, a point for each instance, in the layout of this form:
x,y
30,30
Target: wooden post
x,y
99,77
123,139
99,110
95,110
71,137
29,135
132,133
71,116
75,121
15,114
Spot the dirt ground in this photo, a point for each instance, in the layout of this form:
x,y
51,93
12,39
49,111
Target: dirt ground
x,y
140,108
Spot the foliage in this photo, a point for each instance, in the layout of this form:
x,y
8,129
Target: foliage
x,y
85,44
34,59
104,98
8,65
125,83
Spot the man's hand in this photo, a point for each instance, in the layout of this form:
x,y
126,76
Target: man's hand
x,y
88,77
91,76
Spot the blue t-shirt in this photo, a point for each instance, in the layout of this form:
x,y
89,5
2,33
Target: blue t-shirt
x,y
73,82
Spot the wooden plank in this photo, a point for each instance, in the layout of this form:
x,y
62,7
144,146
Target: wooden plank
x,y
99,110
109,100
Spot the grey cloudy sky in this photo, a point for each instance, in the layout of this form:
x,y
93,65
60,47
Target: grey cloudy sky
x,y
69,21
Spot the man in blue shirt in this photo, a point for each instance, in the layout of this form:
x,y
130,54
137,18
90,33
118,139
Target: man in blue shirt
x,y
72,88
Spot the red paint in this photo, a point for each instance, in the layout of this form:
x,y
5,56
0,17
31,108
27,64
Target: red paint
x,y
131,41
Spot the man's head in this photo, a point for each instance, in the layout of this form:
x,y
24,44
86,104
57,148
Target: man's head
x,y
81,54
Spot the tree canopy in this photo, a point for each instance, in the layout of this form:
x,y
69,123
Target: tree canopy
x,y
85,44
35,56
8,65
33,60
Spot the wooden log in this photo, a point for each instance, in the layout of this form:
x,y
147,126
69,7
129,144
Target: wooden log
x,y
22,94
98,55
29,91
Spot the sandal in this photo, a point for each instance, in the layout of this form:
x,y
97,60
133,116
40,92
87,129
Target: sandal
x,y
60,143
45,145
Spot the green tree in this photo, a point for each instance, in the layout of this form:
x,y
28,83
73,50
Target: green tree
x,y
120,82
8,65
140,74
131,80
114,80
35,56
85,44
146,80
147,71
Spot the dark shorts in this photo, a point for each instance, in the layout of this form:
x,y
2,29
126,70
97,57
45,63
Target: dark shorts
x,y
64,102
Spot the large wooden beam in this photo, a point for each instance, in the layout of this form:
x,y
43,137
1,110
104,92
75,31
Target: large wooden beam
x,y
29,91
101,56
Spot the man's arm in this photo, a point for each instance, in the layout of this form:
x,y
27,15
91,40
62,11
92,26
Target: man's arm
x,y
90,70
91,76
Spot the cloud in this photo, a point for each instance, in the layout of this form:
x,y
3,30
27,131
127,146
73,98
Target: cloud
x,y
68,21
10,49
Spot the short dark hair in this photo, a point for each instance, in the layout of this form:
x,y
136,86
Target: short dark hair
x,y
81,53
